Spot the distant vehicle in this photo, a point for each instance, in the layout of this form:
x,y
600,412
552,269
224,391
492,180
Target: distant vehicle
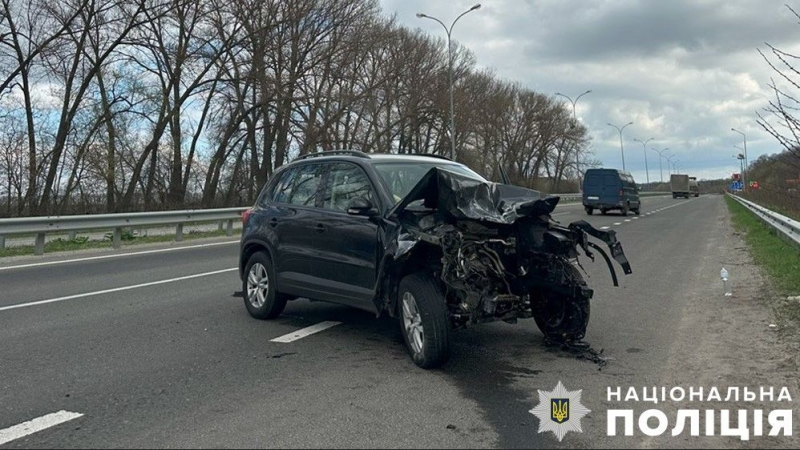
x,y
694,189
607,189
679,184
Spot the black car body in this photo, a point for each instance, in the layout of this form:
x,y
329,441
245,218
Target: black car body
x,y
610,189
418,237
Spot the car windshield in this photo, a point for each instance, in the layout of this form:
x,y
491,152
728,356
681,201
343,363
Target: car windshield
x,y
400,178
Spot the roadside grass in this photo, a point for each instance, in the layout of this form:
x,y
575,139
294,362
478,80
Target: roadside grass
x,y
84,243
780,259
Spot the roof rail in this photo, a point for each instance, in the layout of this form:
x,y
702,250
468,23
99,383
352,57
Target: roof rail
x,y
432,155
335,152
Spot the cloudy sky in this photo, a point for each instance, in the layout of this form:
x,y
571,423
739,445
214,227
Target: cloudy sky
x,y
684,72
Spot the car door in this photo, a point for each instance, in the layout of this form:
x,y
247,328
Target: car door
x,y
347,245
296,213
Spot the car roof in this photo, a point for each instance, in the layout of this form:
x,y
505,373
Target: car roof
x,y
348,155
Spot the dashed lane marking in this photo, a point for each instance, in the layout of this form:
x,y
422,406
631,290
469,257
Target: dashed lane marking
x,y
36,425
305,332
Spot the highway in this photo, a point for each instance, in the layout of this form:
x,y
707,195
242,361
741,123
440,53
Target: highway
x,y
154,348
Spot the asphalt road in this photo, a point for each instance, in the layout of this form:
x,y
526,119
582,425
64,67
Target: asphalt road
x,y
151,358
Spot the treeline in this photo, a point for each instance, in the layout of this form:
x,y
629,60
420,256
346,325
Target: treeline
x,y
120,105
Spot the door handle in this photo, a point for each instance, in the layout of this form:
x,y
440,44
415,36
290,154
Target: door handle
x,y
273,222
320,228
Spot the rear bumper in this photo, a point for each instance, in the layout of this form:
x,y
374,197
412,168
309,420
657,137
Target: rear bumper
x,y
597,204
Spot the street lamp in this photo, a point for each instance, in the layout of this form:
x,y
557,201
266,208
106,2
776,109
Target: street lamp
x,y
574,121
660,155
744,171
449,32
644,150
669,163
621,150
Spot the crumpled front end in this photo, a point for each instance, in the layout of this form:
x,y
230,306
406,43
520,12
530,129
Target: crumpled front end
x,y
494,248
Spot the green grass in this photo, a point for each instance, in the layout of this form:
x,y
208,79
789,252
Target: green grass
x,y
779,259
83,243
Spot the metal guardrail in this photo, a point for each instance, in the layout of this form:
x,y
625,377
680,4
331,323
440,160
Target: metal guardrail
x,y
40,226
116,222
787,228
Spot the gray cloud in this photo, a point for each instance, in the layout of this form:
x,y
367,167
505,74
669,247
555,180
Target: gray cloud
x,y
683,71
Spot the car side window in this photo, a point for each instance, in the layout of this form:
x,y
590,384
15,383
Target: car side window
x,y
305,185
346,182
283,187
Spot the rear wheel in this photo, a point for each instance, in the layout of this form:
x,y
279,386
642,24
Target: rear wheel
x,y
424,320
604,211
561,317
589,211
636,211
624,210
260,290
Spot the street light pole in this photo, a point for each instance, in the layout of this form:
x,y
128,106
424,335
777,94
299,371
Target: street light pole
x,y
449,32
744,172
574,121
669,163
644,150
660,155
621,150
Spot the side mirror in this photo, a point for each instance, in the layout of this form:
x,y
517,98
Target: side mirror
x,y
360,206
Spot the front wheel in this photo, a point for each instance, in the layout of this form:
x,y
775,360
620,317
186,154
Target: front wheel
x,y
562,318
424,320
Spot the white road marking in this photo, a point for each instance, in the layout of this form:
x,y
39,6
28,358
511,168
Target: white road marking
x,y
91,258
627,220
604,228
119,289
307,331
36,425
635,218
617,223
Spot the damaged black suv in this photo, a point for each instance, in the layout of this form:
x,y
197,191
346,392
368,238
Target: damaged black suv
x,y
422,238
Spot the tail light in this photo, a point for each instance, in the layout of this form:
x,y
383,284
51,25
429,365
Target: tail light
x,y
621,193
246,215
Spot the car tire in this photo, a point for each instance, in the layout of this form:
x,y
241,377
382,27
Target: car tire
x,y
636,211
624,210
424,320
259,288
589,211
604,211
560,317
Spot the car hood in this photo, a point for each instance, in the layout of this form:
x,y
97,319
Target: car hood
x,y
458,197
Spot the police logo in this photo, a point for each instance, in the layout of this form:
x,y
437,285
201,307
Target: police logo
x,y
560,411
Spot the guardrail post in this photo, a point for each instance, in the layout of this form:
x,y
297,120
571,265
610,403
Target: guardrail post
x,y
2,242
221,225
117,240
179,232
72,235
229,232
39,247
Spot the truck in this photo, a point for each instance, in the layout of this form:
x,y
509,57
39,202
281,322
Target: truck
x,y
694,188
679,184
